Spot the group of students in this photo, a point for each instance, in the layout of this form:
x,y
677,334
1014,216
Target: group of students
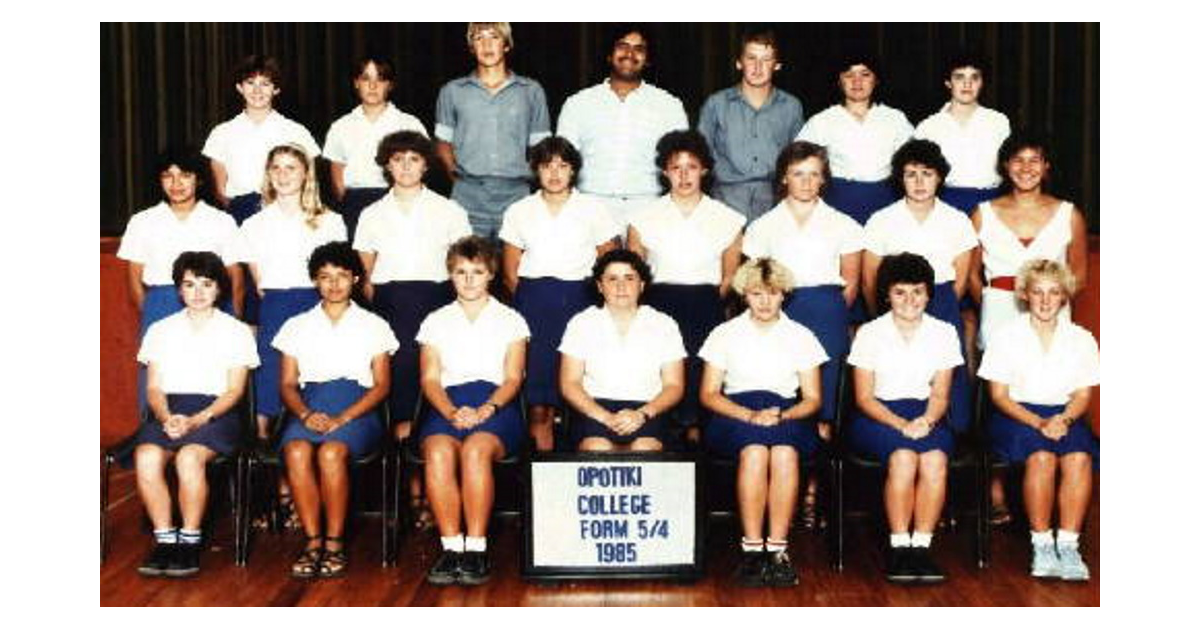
x,y
619,298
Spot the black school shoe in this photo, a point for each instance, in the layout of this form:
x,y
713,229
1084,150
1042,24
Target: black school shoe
x,y
779,570
927,571
751,569
159,559
445,571
186,561
900,565
476,568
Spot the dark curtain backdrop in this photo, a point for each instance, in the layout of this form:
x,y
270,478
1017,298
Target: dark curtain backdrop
x,y
171,83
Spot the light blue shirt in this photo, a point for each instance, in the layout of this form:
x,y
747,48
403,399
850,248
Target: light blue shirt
x,y
745,142
490,132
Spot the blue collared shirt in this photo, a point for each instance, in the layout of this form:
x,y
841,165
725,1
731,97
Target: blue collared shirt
x,y
490,132
745,142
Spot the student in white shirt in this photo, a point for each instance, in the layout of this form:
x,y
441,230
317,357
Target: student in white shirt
x,y
622,363
334,376
754,365
903,362
551,240
472,365
196,360
353,139
693,244
968,133
1041,370
861,134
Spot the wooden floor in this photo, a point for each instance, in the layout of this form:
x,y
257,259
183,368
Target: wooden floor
x,y
265,581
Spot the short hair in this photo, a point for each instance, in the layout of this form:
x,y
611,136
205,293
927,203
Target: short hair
x,y
382,66
767,273
400,142
763,37
503,29
1044,268
918,151
627,256
903,268
254,65
189,160
338,254
555,147
964,58
798,152
472,248
202,265
1015,143
682,141
616,32
858,56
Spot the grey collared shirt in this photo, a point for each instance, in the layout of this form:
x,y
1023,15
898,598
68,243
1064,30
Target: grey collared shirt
x,y
745,142
490,132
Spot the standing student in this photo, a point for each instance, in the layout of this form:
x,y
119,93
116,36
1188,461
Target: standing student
x,y
968,134
861,134
485,122
747,125
353,139
551,240
617,124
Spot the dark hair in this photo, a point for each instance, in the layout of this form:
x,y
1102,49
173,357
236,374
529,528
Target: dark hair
x,y
254,65
188,159
202,265
798,152
619,255
682,141
923,152
552,147
855,56
382,66
964,58
338,254
1015,143
473,248
616,32
400,142
905,268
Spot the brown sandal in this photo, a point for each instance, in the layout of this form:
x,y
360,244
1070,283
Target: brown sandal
x,y
309,561
334,562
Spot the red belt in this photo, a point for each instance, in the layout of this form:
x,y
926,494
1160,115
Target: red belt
x,y
1007,283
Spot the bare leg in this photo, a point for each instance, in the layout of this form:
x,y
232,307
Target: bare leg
x,y
190,464
645,444
784,490
931,490
1075,492
150,461
305,491
541,427
899,490
752,484
335,485
596,444
1040,468
479,452
441,453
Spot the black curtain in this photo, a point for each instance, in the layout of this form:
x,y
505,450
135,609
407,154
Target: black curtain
x,y
171,83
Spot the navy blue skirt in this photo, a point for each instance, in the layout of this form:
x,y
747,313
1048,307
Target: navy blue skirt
x,y
505,424
244,206
586,427
878,441
361,435
965,199
697,310
859,200
219,434
405,305
727,436
547,304
1014,441
353,203
278,306
823,311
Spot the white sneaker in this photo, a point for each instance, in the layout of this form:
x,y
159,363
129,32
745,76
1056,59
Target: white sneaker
x,y
1071,565
1045,562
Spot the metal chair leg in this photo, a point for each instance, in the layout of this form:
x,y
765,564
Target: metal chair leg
x,y
106,463
839,515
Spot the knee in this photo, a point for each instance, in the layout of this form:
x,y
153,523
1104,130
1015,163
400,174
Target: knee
x,y
902,465
297,454
753,457
785,457
933,466
331,456
594,444
148,459
438,454
1076,464
1041,462
646,444
190,463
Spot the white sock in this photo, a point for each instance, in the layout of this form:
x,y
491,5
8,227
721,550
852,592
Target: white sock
x,y
474,543
1068,538
453,543
1042,538
168,536
903,539
922,539
774,546
189,536
752,545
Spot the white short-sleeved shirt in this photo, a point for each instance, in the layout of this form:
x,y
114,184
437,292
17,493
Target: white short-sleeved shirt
x,y
472,350
969,147
812,252
687,250
155,237
755,359
905,369
327,351
944,234
617,138
354,139
859,150
280,244
242,145
197,361
560,246
623,367
410,245
1015,357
